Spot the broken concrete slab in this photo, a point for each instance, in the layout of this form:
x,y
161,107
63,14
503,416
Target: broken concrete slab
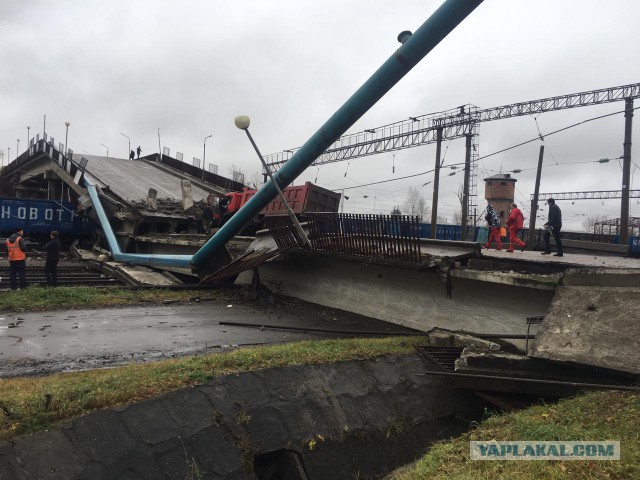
x,y
591,325
504,364
601,277
528,280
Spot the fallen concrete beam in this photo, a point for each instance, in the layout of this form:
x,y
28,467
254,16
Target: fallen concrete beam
x,y
601,277
404,296
593,325
541,282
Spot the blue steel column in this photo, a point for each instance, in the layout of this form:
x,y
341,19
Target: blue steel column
x,y
430,33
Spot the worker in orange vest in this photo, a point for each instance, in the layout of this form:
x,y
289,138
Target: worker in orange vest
x,y
16,249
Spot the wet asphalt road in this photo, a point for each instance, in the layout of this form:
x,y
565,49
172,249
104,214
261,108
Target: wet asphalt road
x,y
65,340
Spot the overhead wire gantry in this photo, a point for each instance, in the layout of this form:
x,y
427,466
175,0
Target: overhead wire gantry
x,y
462,122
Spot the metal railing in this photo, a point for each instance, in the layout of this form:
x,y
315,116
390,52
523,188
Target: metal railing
x,y
380,236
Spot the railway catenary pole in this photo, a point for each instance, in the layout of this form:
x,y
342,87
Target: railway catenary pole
x,y
465,190
534,200
436,186
413,49
626,171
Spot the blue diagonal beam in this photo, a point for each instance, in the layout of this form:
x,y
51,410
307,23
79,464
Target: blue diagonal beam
x,y
430,33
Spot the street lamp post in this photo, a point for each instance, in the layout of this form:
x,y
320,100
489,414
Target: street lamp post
x,y
66,139
18,149
8,155
28,128
106,148
242,122
64,160
128,151
204,154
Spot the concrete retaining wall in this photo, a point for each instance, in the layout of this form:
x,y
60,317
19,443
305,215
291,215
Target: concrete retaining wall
x,y
348,420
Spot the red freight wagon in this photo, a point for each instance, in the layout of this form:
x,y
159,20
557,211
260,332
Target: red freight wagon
x,y
301,199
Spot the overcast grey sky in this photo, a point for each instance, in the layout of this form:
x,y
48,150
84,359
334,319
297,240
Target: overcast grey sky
x,y
189,67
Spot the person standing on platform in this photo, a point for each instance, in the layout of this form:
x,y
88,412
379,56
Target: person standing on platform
x,y
515,222
552,227
16,248
138,151
53,257
132,155
494,227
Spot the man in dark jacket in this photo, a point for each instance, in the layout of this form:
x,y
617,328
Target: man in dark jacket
x,y
494,227
207,218
553,226
16,249
53,256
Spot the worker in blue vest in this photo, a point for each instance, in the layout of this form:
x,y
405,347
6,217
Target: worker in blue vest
x,y
16,249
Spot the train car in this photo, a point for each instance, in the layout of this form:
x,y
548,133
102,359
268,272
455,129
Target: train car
x,y
301,198
39,217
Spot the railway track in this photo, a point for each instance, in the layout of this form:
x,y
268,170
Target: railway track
x,y
70,273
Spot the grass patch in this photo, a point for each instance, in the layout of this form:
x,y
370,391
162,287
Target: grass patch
x,y
590,416
31,404
37,298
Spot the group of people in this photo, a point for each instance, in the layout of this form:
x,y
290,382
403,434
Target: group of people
x,y
214,213
132,154
16,252
515,223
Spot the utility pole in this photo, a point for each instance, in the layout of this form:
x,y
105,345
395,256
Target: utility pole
x,y
159,147
465,194
534,201
626,171
436,185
